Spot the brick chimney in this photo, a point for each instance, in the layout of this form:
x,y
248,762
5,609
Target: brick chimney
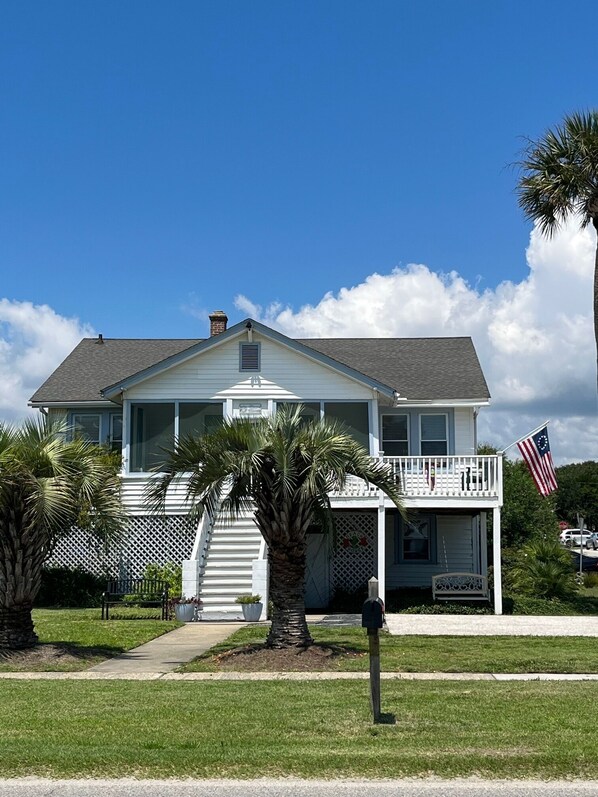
x,y
218,322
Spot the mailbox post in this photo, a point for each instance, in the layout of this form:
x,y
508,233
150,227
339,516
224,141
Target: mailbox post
x,y
372,618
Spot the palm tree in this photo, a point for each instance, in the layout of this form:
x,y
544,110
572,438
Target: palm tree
x,y
560,179
48,486
283,469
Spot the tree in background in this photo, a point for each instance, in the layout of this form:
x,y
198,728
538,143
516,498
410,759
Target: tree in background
x,y
526,515
559,179
578,492
48,486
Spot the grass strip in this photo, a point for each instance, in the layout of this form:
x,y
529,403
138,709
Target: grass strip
x,y
308,729
78,639
429,653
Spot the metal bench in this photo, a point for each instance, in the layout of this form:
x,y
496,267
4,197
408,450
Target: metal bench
x,y
460,587
136,592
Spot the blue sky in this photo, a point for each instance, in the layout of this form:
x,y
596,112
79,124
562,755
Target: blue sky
x,y
159,159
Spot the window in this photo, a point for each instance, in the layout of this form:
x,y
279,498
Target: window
x,y
249,357
115,440
354,415
152,430
86,426
198,419
433,435
395,436
416,538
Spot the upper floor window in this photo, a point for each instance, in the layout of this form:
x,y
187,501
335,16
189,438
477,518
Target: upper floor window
x,y
395,435
86,426
249,357
433,435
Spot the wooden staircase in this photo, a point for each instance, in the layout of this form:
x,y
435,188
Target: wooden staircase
x,y
227,572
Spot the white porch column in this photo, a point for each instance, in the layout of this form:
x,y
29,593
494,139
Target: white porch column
x,y
496,560
381,548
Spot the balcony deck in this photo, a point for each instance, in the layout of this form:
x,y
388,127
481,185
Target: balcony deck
x,y
457,480
451,481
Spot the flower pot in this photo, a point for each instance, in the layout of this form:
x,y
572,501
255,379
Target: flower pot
x,y
184,612
252,611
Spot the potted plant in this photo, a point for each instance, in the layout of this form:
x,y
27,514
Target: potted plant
x,y
186,609
252,607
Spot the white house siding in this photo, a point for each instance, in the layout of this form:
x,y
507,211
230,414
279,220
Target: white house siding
x,y
133,488
454,553
284,374
464,431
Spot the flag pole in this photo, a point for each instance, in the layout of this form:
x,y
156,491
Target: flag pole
x,y
529,434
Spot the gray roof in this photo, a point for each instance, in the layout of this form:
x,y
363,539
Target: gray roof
x,y
417,368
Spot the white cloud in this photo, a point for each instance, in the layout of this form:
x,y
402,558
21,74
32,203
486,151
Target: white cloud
x,y
535,338
34,339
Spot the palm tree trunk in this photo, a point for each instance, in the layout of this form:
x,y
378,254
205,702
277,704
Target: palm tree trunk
x,y
287,593
595,223
16,628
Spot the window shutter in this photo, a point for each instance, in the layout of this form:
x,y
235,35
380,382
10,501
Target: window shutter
x,y
250,357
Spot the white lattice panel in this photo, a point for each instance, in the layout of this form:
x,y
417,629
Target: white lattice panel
x,y
354,557
148,540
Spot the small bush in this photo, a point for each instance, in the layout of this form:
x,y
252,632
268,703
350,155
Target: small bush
x,y
448,608
543,569
168,572
590,580
70,587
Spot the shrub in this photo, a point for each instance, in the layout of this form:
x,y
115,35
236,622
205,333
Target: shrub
x,y
590,580
70,587
170,572
543,569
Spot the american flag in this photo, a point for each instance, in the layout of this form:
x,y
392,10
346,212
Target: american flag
x,y
535,450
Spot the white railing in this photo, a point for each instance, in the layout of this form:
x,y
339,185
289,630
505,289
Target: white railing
x,y
438,477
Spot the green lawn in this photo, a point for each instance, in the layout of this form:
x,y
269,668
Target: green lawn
x,y
434,653
83,638
308,729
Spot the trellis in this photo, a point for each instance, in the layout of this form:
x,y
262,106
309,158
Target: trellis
x,y
354,556
148,540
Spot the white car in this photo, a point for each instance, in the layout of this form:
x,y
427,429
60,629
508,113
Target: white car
x,y
572,537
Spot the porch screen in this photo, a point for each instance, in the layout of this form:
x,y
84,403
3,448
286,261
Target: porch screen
x,y
199,419
354,415
310,411
152,429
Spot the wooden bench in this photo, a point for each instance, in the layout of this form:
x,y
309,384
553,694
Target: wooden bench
x,y
136,592
460,587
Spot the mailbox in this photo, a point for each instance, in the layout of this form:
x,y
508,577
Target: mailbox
x,y
372,613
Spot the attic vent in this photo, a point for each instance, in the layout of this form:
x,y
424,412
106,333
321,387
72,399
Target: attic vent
x,y
249,357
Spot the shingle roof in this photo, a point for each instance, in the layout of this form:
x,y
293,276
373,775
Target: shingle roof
x,y
92,366
417,368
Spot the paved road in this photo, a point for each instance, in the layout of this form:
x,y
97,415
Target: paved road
x,y
33,787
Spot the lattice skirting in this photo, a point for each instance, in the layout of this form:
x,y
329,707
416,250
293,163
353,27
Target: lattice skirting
x,y
354,555
147,540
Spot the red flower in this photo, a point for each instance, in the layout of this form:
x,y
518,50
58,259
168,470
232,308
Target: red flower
x,y
346,542
364,542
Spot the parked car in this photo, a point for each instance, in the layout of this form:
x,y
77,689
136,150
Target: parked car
x,y
589,564
571,537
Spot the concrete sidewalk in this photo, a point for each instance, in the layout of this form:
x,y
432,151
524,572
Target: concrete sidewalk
x,y
169,651
491,625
